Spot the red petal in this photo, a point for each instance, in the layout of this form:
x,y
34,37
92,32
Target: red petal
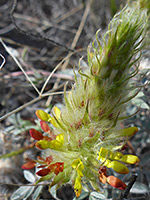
x,y
45,127
40,158
43,172
49,159
36,134
103,178
29,165
116,182
102,169
61,166
47,138
42,166
51,167
56,171
56,167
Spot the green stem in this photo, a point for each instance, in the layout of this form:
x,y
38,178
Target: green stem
x,y
17,152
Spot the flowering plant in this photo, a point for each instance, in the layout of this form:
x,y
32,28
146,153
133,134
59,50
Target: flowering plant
x,y
85,137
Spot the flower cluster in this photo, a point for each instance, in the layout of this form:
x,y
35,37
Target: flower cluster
x,y
82,140
45,164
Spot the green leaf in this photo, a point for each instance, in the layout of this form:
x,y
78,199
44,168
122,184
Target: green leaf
x,y
37,192
22,193
140,103
139,188
140,94
29,176
53,191
45,178
97,196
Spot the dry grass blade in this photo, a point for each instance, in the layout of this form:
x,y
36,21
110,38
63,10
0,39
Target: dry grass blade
x,y
49,77
3,62
19,65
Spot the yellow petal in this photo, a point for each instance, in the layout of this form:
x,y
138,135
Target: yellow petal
x,y
54,144
60,138
41,114
56,121
78,186
129,159
57,112
78,166
53,121
58,143
43,144
106,162
119,167
103,153
128,131
116,155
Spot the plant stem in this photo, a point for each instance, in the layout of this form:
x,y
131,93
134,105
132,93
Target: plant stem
x,y
128,188
17,152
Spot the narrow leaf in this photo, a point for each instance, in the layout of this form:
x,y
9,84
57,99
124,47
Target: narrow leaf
x,y
29,176
37,192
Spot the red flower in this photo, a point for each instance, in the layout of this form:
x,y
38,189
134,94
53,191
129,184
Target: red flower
x,y
56,168
46,165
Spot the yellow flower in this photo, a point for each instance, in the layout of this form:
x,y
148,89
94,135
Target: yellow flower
x,y
110,160
78,166
53,144
78,186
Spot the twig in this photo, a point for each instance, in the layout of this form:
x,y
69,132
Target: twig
x,y
44,23
32,34
124,195
69,13
44,73
32,101
75,40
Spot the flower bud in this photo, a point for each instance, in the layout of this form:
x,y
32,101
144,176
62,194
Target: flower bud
x,y
36,134
116,182
29,165
42,115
